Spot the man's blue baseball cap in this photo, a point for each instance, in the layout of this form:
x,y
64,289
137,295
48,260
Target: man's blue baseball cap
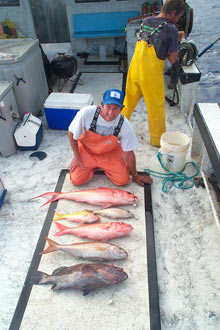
x,y
113,96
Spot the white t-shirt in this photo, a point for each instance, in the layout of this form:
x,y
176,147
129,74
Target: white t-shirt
x,y
83,119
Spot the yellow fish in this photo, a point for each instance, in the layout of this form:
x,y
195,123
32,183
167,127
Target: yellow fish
x,y
80,217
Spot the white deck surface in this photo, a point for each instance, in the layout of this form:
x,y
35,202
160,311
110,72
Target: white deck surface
x,y
187,238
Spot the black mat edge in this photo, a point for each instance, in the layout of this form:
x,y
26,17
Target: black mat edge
x,y
87,62
75,82
154,306
25,293
155,323
80,74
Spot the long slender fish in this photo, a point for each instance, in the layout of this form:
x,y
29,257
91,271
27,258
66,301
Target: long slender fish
x,y
96,251
104,197
80,217
86,277
114,213
100,232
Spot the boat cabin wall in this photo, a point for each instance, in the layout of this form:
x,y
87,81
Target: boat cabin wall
x,y
27,17
111,43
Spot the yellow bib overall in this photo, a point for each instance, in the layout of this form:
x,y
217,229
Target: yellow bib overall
x,y
145,78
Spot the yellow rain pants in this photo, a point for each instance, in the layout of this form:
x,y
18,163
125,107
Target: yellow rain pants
x,y
145,78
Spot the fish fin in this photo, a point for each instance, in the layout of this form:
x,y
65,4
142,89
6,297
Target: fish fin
x,y
105,206
87,291
52,246
62,229
54,197
59,216
37,277
58,270
56,287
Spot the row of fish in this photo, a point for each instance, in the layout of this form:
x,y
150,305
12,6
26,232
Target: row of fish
x,y
88,277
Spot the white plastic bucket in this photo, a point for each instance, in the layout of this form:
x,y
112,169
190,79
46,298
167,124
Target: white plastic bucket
x,y
102,52
174,146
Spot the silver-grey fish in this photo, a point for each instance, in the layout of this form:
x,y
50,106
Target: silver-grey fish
x,y
114,213
96,251
86,277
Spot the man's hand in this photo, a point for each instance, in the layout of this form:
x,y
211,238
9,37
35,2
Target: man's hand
x,y
181,35
141,179
76,161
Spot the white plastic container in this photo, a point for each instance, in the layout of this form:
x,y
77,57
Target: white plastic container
x,y
174,146
21,62
102,52
8,119
28,134
61,108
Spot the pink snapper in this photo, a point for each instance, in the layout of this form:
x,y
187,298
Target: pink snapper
x,y
100,232
104,197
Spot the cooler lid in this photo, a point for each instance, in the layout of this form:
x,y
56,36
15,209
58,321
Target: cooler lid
x,y
5,87
68,101
14,50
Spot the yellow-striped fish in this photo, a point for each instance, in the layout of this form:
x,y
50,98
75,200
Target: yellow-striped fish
x,y
80,217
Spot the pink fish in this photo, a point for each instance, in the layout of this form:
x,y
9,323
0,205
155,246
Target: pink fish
x,y
104,197
100,232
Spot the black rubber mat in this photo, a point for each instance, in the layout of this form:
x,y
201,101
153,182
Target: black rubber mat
x,y
155,323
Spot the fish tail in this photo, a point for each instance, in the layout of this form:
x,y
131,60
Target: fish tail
x,y
54,197
59,216
52,246
38,277
62,229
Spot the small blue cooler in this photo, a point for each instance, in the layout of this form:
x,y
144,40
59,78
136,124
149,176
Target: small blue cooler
x,y
61,108
2,193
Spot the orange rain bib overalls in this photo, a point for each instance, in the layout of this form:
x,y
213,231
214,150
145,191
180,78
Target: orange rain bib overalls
x,y
105,152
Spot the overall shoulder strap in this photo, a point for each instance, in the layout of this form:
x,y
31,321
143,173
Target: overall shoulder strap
x,y
94,121
150,30
118,128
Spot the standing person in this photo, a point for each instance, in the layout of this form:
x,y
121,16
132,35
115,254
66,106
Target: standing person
x,y
157,41
101,137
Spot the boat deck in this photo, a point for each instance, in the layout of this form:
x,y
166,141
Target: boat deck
x,y
186,236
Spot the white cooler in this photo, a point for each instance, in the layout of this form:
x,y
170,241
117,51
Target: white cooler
x,y
29,133
21,62
9,116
